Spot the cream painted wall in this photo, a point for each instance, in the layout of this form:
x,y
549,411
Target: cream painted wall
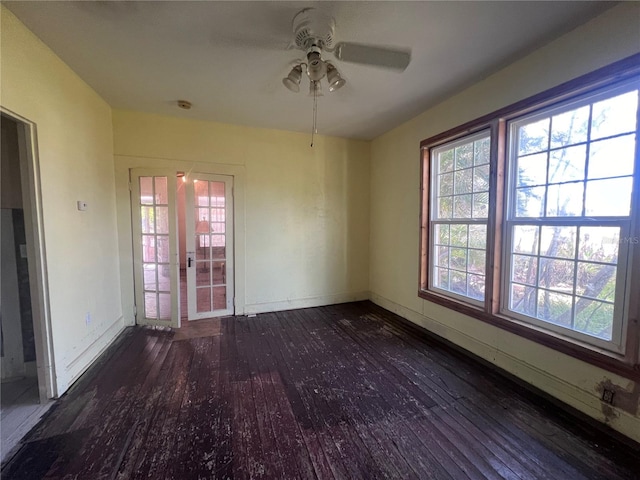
x,y
306,210
75,155
395,185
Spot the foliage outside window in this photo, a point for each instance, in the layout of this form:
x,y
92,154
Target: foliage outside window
x,y
530,215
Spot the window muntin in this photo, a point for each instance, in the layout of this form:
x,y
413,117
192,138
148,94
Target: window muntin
x,y
458,221
569,204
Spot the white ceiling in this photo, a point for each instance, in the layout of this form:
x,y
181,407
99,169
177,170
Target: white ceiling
x,y
228,58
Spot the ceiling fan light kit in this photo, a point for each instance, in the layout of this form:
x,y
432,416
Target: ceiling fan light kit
x,y
313,33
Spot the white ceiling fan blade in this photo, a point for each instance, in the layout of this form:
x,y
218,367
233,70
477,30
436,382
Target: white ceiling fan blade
x,y
393,58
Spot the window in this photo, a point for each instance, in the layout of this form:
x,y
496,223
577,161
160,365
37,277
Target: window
x,y
460,205
530,215
570,182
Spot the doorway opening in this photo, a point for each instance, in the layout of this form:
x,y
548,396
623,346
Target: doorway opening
x,y
26,384
183,246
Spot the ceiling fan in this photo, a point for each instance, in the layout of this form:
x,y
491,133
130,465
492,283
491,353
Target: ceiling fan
x,y
313,33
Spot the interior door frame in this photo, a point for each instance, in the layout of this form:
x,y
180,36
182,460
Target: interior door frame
x,y
174,253
190,245
30,179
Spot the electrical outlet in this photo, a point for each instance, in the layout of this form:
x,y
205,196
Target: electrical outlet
x,y
87,319
607,396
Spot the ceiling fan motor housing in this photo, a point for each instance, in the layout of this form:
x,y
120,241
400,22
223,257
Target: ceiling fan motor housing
x,y
312,28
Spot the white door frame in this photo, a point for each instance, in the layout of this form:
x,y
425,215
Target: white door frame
x,y
123,165
174,255
34,229
192,261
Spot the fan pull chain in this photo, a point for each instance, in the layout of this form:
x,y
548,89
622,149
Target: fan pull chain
x,y
314,128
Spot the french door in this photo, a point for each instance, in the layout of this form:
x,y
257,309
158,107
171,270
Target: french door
x,y
209,237
155,252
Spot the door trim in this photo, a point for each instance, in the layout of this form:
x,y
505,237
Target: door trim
x,y
34,229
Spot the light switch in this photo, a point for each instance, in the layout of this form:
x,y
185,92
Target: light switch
x,y
82,206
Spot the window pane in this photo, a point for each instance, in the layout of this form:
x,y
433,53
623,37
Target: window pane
x,y
529,201
163,248
463,181
610,197
164,277
570,127
523,299
532,170
594,318
612,158
219,298
556,274
481,179
441,234
441,256
478,236
164,299
482,151
459,235
147,215
458,259
162,197
567,164
219,273
477,261
445,207
162,219
146,190
558,241
480,205
150,305
533,137
203,299
464,156
524,269
599,244
445,161
564,200
554,307
462,206
525,239
441,278
596,281
475,286
446,184
149,277
458,282
148,248
201,192
614,115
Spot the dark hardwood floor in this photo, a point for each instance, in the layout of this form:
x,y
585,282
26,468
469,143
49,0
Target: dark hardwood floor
x,y
342,392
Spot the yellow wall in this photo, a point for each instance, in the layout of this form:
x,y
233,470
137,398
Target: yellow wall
x,y
305,211
395,203
75,153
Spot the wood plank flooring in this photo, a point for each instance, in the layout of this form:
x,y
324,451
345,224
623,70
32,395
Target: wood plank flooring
x,y
337,392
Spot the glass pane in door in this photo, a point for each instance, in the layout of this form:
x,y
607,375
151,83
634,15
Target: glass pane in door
x,y
210,243
156,269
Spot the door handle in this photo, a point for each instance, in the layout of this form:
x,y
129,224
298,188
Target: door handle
x,y
189,259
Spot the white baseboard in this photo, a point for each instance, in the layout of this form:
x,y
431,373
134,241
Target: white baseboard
x,y
308,302
85,359
584,401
